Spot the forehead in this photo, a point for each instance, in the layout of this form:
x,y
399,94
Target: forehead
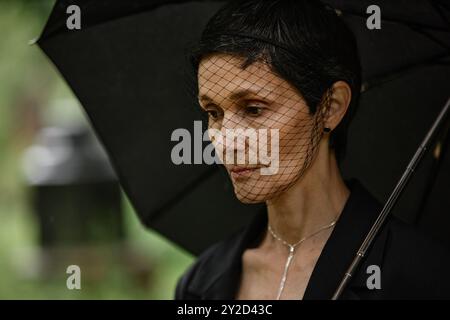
x,y
222,74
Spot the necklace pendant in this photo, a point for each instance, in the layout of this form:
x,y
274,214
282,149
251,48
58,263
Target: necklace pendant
x,y
291,253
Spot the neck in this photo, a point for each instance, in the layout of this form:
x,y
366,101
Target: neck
x,y
314,201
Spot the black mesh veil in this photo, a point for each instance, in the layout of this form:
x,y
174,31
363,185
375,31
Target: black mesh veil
x,y
263,131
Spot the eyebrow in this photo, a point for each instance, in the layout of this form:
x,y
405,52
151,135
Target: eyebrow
x,y
234,96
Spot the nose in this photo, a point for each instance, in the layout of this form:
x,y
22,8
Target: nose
x,y
231,120
235,142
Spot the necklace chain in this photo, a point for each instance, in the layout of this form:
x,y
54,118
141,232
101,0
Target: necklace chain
x,y
291,251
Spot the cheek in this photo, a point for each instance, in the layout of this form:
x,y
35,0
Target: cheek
x,y
213,124
295,133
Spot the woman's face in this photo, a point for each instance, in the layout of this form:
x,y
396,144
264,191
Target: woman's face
x,y
257,113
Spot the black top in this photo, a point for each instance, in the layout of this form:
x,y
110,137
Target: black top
x,y
412,265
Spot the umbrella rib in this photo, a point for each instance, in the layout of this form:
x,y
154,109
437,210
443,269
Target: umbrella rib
x,y
399,21
439,10
416,27
444,4
431,37
379,80
438,7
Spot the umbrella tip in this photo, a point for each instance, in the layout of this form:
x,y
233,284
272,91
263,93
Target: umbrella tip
x,y
337,11
364,87
32,41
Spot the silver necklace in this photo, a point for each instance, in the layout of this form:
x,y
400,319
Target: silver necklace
x,y
292,251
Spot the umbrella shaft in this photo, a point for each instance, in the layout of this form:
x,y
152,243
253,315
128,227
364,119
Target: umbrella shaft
x,y
392,200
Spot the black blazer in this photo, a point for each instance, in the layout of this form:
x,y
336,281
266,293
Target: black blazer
x,y
412,265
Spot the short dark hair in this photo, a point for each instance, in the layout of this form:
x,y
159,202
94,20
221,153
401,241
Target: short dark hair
x,y
305,42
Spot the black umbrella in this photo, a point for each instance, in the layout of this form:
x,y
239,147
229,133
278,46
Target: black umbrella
x,y
127,66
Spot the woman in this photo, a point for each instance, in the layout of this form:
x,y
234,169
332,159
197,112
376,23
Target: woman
x,y
291,68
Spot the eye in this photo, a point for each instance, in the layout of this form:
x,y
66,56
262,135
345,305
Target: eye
x,y
212,114
254,110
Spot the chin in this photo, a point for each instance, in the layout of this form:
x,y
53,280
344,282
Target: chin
x,y
247,197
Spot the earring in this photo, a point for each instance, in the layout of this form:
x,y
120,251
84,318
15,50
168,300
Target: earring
x,y
327,130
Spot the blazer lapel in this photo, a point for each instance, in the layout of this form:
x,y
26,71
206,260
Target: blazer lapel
x,y
357,217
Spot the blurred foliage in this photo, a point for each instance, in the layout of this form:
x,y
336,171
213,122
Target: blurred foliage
x,y
29,86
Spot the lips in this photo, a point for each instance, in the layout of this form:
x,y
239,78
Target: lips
x,y
242,171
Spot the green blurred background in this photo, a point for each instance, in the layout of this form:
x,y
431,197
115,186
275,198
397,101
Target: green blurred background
x,y
142,265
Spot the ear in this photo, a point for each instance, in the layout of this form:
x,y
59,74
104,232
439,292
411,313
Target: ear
x,y
341,95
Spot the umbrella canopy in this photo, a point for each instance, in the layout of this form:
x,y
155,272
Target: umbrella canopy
x,y
128,67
